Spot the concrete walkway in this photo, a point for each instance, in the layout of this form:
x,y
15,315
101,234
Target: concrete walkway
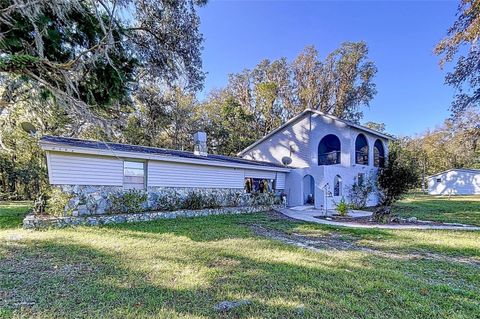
x,y
309,214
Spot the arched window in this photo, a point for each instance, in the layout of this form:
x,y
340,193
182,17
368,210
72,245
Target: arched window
x,y
329,150
378,154
337,186
361,150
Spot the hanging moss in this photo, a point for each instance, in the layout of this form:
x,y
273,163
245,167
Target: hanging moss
x,y
17,62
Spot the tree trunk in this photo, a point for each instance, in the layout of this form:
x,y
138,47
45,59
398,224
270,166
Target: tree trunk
x,y
383,214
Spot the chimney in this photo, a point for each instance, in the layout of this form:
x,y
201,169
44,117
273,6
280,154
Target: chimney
x,y
200,140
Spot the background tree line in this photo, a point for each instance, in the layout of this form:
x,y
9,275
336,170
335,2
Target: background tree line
x,y
129,71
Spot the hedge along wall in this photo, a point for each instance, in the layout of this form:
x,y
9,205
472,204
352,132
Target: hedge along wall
x,y
81,200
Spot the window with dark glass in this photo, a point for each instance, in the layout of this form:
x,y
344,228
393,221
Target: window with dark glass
x,y
360,179
259,185
361,150
329,150
133,175
337,186
378,154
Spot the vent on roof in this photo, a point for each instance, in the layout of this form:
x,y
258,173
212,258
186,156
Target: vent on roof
x,y
200,140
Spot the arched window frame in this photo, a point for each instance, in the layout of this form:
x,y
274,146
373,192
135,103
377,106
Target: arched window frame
x,y
337,186
378,154
332,154
361,151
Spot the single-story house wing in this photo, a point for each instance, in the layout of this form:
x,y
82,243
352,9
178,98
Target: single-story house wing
x,y
95,169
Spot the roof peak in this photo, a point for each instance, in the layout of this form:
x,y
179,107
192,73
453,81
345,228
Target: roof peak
x,y
310,110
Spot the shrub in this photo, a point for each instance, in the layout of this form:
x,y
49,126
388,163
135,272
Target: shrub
x,y
398,176
193,200
233,199
211,201
263,199
342,207
196,200
57,203
127,202
358,194
168,202
394,181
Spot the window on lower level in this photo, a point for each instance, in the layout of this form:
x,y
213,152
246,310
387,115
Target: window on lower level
x,y
337,186
360,179
259,185
133,175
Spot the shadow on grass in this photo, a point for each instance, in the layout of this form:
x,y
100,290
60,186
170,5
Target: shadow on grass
x,y
197,229
217,228
183,267
48,278
237,226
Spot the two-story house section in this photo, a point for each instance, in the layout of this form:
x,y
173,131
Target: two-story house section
x,y
327,155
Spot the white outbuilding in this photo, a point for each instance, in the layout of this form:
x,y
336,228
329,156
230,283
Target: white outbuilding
x,y
455,181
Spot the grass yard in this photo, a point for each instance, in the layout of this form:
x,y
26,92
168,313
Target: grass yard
x,y
456,209
182,268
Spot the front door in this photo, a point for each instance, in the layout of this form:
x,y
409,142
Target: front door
x,y
308,190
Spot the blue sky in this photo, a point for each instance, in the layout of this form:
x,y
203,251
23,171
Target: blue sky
x,y
401,36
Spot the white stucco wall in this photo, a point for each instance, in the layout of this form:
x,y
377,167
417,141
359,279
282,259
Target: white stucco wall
x,y
305,134
455,182
294,137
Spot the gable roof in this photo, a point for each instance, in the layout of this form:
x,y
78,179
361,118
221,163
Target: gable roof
x,y
312,111
80,146
467,170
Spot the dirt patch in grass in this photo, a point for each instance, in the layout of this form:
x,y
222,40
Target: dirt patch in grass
x,y
223,263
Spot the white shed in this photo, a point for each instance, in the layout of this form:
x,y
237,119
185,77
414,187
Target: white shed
x,y
455,181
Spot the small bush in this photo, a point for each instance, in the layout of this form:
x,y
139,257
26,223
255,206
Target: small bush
x,y
233,199
193,200
57,203
211,201
263,199
127,202
342,207
168,202
196,200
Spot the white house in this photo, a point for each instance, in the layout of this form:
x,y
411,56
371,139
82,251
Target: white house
x,y
327,155
312,158
455,181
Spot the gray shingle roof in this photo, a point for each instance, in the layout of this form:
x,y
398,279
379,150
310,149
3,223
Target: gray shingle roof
x,y
100,145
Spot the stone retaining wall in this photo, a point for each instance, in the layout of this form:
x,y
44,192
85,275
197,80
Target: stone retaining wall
x,y
90,200
44,221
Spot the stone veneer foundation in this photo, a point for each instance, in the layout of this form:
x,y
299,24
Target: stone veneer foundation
x,y
90,200
44,221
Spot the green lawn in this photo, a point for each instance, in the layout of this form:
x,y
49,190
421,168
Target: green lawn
x,y
456,209
12,213
182,268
